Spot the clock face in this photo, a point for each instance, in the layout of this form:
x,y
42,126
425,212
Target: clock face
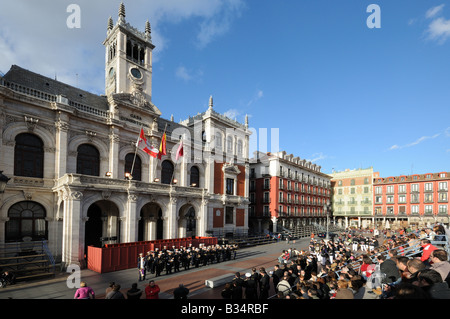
x,y
135,72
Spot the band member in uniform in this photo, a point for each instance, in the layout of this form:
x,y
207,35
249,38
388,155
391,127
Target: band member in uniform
x,y
142,266
176,261
169,263
250,288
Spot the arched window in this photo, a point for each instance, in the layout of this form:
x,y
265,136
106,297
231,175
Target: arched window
x,y
128,49
195,176
142,56
29,156
26,219
88,160
218,141
135,52
166,172
136,168
239,148
229,145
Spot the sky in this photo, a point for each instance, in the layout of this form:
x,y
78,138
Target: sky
x,y
344,84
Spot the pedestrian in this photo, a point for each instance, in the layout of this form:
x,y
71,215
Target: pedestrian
x,y
134,292
110,287
431,282
227,291
264,285
276,276
237,279
250,287
388,267
284,286
236,290
181,292
152,290
115,293
427,249
142,266
84,292
439,257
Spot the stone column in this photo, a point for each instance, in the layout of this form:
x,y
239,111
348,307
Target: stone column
x,y
2,228
73,233
130,223
62,127
274,222
182,226
170,221
151,228
113,153
202,221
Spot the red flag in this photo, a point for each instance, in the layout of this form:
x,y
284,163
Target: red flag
x,y
162,146
179,151
145,146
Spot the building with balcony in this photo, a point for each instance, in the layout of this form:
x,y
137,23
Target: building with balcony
x,y
417,200
286,192
352,197
78,177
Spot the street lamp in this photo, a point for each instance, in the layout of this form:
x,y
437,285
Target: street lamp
x,y
3,181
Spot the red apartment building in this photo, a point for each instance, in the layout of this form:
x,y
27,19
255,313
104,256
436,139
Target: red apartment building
x,y
418,199
286,191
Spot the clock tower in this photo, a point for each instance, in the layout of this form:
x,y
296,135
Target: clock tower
x,y
128,65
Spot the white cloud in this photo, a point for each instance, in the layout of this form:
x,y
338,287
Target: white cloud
x,y
258,95
434,11
416,142
439,30
232,113
182,73
34,34
187,74
317,157
447,131
394,147
219,23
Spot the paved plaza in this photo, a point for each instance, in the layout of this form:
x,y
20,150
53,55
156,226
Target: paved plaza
x,y
194,279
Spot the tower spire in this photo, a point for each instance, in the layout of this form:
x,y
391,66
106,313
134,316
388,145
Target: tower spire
x,y
148,30
210,102
110,23
122,12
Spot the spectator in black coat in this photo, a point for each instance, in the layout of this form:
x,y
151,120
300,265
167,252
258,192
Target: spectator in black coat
x,y
134,292
388,267
250,286
181,292
236,291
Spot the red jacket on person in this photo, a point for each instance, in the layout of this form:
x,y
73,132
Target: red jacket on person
x,y
426,252
152,292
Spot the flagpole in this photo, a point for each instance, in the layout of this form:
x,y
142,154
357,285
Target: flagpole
x,y
135,151
159,156
176,161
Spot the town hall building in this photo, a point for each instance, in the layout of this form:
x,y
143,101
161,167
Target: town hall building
x,y
79,177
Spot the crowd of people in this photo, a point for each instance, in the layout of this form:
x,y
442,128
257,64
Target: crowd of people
x,y
355,265
159,261
173,260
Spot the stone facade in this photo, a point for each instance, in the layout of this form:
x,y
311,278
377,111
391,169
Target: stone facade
x,y
286,192
69,185
352,197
